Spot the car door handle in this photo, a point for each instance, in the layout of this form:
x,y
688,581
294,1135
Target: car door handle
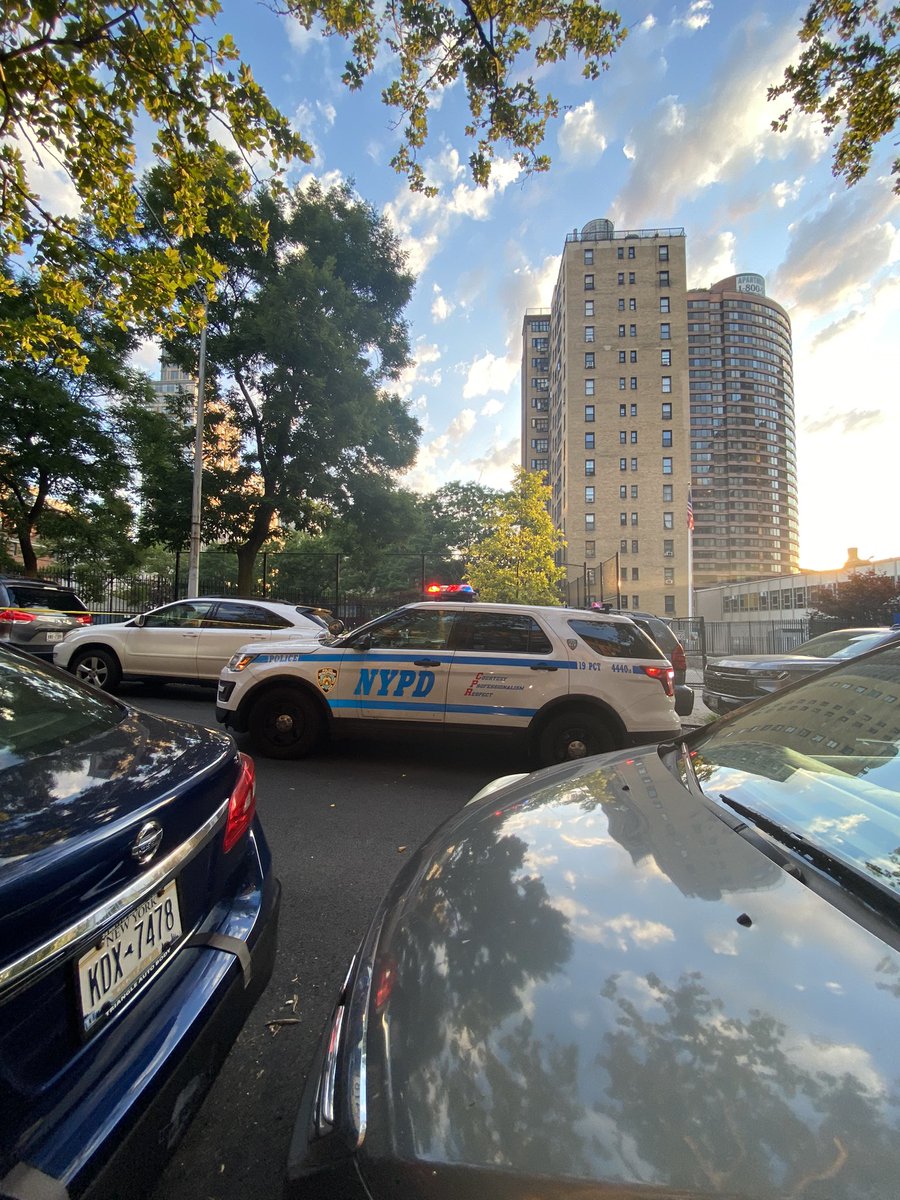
x,y
426,662
543,667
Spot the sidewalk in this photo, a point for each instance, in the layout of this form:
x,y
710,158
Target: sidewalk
x,y
701,714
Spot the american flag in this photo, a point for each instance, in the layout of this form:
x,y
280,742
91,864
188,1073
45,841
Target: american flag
x,y
690,511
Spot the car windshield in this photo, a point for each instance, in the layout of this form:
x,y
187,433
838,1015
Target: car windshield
x,y
821,760
58,599
41,710
843,643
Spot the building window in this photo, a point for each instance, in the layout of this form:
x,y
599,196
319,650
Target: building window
x,y
623,574
667,466
664,304
668,548
634,518
621,356
667,437
623,546
589,495
668,575
632,330
634,491
635,601
668,520
634,464
635,574
589,522
669,603
588,333
589,284
589,361
631,251
634,410
665,331
622,408
588,308
667,411
621,331
588,258
666,383
621,279
634,383
623,491
589,387
633,438
668,496
664,279
633,356
665,358
632,304
663,253
541,445
589,413
620,252
588,440
621,383
623,464
623,437
634,545
624,601
623,518
590,549
631,276
589,466
621,304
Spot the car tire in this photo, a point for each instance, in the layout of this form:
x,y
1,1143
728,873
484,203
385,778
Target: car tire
x,y
98,667
285,723
572,735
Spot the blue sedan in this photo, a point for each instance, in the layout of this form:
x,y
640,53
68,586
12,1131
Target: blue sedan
x,y
138,920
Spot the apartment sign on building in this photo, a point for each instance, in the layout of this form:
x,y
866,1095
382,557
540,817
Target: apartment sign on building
x,y
751,283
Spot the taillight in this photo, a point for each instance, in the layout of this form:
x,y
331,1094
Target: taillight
x,y
679,658
241,804
666,677
83,618
16,614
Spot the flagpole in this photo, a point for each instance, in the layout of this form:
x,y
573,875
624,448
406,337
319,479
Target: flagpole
x,y
690,563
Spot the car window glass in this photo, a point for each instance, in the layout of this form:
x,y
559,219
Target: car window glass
x,y
826,645
414,629
42,711
59,599
501,633
822,760
615,640
188,615
235,615
312,616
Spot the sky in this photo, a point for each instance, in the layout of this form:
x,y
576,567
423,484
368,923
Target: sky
x,y
675,134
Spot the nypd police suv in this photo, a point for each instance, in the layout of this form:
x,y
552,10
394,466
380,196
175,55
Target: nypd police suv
x,y
573,682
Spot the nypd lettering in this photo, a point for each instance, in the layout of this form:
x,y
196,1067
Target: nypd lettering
x,y
382,681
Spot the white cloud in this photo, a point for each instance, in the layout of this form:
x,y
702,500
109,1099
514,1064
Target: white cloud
x,y
581,139
491,409
697,15
146,357
711,257
416,375
300,38
441,308
490,374
785,192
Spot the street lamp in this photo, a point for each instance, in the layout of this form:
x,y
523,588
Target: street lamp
x,y
193,582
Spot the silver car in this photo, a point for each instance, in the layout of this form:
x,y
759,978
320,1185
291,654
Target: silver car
x,y
36,615
729,683
665,972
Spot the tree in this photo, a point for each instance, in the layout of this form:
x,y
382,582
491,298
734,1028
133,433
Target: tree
x,y
304,336
866,598
458,516
849,75
58,445
516,562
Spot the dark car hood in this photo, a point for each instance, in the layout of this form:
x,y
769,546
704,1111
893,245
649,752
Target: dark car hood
x,y
773,662
590,976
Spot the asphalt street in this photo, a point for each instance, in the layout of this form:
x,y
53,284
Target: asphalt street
x,y
339,824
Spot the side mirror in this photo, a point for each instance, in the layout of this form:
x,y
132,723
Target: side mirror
x,y
138,620
335,627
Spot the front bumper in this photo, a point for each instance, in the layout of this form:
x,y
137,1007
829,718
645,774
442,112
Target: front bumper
x,y
722,705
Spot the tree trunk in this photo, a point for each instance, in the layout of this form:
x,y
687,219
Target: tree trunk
x,y
248,551
29,558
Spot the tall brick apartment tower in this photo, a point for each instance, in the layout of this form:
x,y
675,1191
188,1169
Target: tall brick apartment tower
x,y
605,413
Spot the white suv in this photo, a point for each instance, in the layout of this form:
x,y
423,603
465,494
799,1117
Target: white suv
x,y
574,682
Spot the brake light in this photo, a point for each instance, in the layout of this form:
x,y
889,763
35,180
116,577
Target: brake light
x,y
241,804
666,677
679,658
16,614
83,618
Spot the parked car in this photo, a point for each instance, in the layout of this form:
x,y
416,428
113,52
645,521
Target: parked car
x,y
665,637
565,681
730,682
35,615
187,641
666,972
138,918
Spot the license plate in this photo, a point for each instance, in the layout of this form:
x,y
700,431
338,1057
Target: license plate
x,y
127,954
54,637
